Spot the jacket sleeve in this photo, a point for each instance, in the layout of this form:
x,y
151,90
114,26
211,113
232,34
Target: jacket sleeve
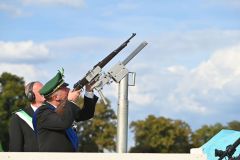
x,y
15,135
87,110
51,120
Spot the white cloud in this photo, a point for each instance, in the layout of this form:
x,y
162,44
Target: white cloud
x,y
71,3
11,9
207,86
140,96
17,8
25,51
186,104
177,70
28,72
79,44
194,42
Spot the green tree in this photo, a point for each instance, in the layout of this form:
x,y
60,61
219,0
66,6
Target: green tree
x,y
160,135
1,149
12,98
205,133
99,133
234,125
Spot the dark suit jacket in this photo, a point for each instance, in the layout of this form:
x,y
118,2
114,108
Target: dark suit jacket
x,y
21,136
51,126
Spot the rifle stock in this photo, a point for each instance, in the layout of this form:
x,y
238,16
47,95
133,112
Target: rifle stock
x,y
81,83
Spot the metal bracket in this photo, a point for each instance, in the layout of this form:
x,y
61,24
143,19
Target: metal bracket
x,y
131,78
118,72
93,73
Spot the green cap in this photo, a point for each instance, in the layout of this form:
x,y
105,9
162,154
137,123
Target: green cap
x,y
53,84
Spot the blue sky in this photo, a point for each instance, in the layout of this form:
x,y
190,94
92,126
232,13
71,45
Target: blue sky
x,y
189,70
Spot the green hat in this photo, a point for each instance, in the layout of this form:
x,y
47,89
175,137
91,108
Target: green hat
x,y
53,85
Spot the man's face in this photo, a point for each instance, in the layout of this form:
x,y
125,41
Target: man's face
x,y
63,93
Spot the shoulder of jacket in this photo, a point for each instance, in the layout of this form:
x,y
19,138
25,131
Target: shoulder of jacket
x,y
19,110
15,115
44,108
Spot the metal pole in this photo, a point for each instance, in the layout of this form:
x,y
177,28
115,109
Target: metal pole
x,y
122,127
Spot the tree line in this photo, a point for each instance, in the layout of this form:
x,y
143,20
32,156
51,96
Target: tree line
x,y
151,135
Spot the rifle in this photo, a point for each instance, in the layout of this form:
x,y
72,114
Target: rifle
x,y
93,74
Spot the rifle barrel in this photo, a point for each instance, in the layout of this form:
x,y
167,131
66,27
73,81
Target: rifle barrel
x,y
102,63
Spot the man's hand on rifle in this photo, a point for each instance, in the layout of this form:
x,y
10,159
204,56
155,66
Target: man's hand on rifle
x,y
74,95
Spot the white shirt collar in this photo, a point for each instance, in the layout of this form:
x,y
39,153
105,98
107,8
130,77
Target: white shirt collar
x,y
34,108
54,106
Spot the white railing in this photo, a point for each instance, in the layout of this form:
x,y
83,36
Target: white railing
x,y
98,156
